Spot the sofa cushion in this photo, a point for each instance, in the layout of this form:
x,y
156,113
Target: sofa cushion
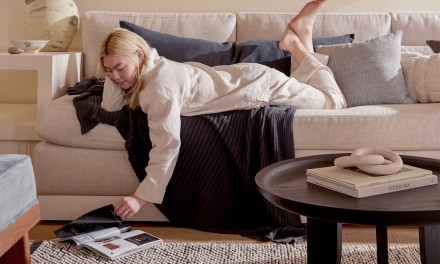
x,y
426,50
18,190
87,171
97,24
423,77
272,25
394,126
416,26
57,123
213,53
369,72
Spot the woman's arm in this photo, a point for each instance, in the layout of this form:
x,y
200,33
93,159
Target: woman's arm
x,y
164,124
128,206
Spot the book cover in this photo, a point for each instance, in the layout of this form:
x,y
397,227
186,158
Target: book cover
x,y
356,178
98,219
367,191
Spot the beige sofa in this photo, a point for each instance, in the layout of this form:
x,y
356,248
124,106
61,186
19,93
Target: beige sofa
x,y
76,173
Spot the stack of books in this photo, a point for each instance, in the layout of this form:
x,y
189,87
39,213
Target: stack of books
x,y
359,184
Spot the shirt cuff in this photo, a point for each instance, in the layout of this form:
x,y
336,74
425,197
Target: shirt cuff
x,y
150,191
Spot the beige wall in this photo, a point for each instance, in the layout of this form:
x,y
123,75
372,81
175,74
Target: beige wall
x,y
13,12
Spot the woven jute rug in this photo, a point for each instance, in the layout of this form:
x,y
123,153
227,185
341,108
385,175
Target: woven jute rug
x,y
263,252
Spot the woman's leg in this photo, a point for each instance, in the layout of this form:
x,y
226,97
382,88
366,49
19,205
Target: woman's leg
x,y
298,35
312,85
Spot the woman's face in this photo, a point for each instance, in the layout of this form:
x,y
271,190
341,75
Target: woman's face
x,y
121,70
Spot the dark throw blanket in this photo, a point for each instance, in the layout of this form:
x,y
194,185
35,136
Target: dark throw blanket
x,y
213,185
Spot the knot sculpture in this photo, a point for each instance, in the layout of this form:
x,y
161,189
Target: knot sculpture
x,y
377,161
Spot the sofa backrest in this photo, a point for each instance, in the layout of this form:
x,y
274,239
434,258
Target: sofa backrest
x,y
417,27
97,24
272,25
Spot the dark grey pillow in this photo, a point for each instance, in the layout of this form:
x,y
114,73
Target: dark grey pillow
x,y
212,53
434,45
369,72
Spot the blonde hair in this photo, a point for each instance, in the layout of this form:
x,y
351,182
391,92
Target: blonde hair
x,y
124,43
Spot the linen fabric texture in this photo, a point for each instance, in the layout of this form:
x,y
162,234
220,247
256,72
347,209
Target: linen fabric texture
x,y
211,53
422,73
18,188
369,72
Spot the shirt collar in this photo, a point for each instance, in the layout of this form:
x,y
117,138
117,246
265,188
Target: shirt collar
x,y
153,59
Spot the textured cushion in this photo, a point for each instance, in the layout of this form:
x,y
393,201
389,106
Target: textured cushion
x,y
423,77
17,184
399,127
416,26
96,25
213,53
271,25
369,72
57,123
426,50
89,171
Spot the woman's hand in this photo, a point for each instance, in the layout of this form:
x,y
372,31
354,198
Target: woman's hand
x,y
128,206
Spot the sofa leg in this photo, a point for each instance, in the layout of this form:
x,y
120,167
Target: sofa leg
x,y
19,253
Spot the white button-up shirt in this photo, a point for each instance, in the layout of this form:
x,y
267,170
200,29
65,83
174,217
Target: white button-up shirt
x,y
172,89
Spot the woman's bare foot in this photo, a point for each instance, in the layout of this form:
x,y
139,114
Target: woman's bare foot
x,y
301,26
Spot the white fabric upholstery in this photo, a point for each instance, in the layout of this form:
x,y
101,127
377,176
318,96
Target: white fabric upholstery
x,y
69,164
271,25
61,170
57,123
417,27
397,127
424,78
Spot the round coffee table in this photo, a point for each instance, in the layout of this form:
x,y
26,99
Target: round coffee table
x,y
284,184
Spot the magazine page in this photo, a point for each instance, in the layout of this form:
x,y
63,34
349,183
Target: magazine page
x,y
118,246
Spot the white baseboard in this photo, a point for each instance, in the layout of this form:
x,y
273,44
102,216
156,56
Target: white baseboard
x,y
68,208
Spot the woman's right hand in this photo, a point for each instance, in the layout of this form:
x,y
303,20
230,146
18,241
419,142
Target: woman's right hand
x,y
128,206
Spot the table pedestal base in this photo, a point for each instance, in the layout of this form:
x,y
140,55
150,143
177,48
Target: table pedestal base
x,y
324,243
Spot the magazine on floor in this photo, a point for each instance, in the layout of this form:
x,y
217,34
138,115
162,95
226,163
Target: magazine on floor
x,y
98,219
106,234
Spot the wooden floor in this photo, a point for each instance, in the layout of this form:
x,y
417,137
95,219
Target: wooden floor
x,y
350,234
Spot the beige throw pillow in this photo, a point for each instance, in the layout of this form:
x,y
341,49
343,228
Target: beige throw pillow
x,y
422,74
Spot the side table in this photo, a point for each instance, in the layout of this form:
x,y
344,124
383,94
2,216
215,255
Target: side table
x,y
284,184
56,71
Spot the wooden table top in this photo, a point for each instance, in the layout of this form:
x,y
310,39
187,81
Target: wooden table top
x,y
284,184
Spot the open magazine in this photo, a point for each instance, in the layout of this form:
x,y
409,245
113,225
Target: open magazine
x,y
100,218
105,234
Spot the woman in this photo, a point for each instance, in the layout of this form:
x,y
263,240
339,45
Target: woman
x,y
165,90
